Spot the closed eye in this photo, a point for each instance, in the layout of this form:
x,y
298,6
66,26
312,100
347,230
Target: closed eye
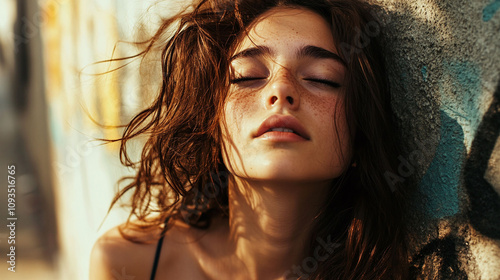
x,y
245,79
325,82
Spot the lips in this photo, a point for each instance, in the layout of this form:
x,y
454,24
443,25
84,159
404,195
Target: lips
x,y
282,124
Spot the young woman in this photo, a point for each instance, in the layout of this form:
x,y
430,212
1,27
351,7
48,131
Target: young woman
x,y
267,151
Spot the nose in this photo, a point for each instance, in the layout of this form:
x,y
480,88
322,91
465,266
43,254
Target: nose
x,y
283,92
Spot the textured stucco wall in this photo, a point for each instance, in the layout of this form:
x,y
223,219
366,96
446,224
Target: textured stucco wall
x,y
444,66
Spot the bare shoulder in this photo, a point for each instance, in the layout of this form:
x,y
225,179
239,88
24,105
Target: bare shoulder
x,y
183,248
115,257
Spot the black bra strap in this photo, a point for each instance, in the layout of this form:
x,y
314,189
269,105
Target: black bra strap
x,y
158,250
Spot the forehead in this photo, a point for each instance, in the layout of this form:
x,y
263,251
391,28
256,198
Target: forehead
x,y
287,28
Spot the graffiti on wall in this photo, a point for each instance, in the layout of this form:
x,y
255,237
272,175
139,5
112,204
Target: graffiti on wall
x,y
452,84
444,254
484,210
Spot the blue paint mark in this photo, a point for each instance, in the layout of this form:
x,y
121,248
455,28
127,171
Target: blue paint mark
x,y
469,84
462,96
405,81
439,185
425,74
490,10
447,108
460,91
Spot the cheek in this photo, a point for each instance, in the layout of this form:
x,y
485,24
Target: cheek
x,y
236,116
328,111
329,114
237,111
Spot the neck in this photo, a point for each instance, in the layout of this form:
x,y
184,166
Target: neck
x,y
270,223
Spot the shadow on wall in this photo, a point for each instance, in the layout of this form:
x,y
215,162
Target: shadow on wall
x,y
484,208
440,257
437,91
484,211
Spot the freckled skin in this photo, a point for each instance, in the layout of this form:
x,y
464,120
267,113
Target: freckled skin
x,y
285,76
271,226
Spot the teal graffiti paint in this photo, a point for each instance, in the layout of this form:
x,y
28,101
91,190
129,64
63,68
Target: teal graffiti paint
x,y
425,74
468,85
460,91
490,10
439,186
460,94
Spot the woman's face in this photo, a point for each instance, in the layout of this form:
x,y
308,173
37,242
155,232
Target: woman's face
x,y
284,116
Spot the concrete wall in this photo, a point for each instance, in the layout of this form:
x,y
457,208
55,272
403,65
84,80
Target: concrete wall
x,y
444,67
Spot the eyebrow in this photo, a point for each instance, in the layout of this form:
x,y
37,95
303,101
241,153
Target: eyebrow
x,y
306,51
317,52
253,52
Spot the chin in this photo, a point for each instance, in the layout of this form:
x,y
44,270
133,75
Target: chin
x,y
283,167
288,173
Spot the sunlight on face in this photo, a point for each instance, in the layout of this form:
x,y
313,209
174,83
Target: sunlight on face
x,y
284,117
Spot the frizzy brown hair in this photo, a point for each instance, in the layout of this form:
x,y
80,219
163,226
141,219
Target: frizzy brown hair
x,y
182,155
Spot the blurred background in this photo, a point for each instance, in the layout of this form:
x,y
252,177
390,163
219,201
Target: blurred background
x,y
50,90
